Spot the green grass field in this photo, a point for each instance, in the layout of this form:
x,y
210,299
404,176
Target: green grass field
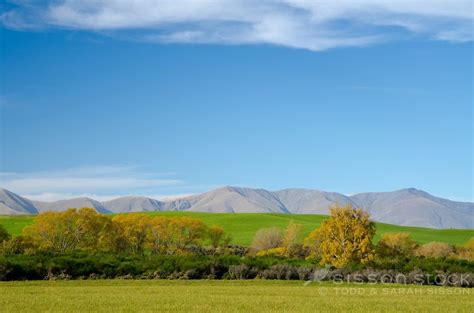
x,y
243,226
227,296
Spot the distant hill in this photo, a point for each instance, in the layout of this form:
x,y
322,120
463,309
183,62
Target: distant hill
x,y
133,204
407,207
412,207
13,204
231,200
308,201
60,205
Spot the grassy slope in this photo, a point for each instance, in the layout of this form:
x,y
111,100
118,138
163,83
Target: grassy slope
x,y
243,226
15,224
227,296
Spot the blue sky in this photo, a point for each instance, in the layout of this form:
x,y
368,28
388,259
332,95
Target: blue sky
x,y
97,102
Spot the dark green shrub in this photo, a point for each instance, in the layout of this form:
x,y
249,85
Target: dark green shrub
x,y
4,235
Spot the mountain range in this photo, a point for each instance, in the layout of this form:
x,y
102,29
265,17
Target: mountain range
x,y
407,207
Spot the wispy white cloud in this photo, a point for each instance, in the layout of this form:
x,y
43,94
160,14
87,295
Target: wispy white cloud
x,y
51,197
309,24
100,181
171,196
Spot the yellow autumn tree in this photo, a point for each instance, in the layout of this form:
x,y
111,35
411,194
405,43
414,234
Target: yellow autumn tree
x,y
344,238
218,237
160,236
129,233
291,240
470,244
394,245
466,252
313,244
186,231
54,231
85,229
94,229
292,233
68,230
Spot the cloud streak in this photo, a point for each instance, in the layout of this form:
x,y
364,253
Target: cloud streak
x,y
51,197
78,181
315,25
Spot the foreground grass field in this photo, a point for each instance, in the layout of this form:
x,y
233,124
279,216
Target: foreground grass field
x,y
227,296
243,226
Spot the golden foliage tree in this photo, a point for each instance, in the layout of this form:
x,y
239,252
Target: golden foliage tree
x,y
313,243
94,229
466,252
186,231
18,245
129,232
85,229
291,240
344,238
470,244
160,236
218,237
396,245
68,230
292,234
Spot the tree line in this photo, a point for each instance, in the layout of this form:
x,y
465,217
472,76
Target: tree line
x,y
87,230
347,238
138,243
